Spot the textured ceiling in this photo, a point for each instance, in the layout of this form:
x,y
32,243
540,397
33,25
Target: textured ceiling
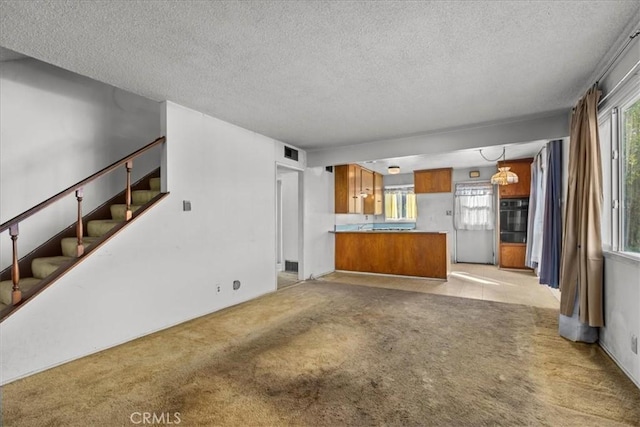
x,y
321,74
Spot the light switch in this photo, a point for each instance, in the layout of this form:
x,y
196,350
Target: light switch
x,y
186,205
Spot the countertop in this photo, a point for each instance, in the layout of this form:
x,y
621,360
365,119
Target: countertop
x,y
387,231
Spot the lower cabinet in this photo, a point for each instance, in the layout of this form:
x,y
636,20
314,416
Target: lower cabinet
x,y
512,255
422,254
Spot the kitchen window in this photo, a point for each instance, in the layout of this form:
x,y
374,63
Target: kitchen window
x,y
400,203
474,207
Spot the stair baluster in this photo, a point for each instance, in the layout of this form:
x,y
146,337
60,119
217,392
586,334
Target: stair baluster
x,y
79,230
16,293
45,268
128,214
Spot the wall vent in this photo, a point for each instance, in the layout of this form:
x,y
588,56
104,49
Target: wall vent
x,y
290,153
329,169
291,266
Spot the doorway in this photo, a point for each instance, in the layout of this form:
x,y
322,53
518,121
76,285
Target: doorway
x,y
474,223
288,226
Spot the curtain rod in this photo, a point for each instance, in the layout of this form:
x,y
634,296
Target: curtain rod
x,y
633,35
545,146
622,80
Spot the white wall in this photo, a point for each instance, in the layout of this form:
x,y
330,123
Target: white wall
x,y
399,179
289,216
622,312
319,245
433,207
169,262
58,128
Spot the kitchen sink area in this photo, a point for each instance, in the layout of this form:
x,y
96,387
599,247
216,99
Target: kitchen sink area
x,y
374,226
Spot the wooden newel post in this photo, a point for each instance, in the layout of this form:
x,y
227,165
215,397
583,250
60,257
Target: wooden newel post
x,y
16,293
129,166
79,230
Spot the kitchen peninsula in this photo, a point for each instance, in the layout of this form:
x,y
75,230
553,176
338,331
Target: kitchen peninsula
x,y
407,253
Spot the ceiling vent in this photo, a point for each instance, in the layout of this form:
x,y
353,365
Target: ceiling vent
x,y
290,153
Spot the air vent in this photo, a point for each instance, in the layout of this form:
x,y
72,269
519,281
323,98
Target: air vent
x,y
329,169
291,266
290,153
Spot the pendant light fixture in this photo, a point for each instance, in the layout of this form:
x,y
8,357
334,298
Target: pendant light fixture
x,y
504,176
393,170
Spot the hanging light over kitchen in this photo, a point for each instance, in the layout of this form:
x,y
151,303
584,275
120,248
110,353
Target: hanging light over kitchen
x,y
393,170
504,176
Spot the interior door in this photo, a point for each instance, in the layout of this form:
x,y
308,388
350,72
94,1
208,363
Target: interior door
x,y
474,206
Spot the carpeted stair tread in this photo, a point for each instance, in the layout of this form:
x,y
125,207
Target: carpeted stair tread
x,y
6,288
118,211
140,197
69,244
154,184
42,267
99,227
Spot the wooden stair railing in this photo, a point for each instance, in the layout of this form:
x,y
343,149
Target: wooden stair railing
x,y
13,224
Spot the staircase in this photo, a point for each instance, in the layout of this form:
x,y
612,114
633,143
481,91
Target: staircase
x,y
43,267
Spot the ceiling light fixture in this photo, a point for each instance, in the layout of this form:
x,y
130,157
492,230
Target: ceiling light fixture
x,y
394,170
504,176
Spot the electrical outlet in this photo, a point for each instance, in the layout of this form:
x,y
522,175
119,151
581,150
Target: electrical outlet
x,y
449,213
634,344
218,288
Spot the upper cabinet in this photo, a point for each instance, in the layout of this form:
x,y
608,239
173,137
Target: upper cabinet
x,y
378,193
432,180
348,180
522,168
366,192
357,190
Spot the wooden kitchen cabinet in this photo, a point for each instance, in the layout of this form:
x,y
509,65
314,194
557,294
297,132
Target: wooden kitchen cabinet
x,y
374,203
368,202
348,183
512,255
351,183
411,253
433,180
522,168
378,193
347,189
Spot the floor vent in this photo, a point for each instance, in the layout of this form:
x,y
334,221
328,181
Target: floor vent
x,y
291,266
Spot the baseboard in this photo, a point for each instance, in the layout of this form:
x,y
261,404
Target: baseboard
x,y
315,277
622,368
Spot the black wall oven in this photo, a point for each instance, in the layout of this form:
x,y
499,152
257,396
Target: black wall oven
x,y
513,220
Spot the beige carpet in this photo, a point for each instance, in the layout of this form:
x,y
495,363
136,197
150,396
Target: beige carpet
x,y
330,354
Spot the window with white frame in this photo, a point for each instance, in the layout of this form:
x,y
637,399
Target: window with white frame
x,y
474,206
619,131
630,176
400,203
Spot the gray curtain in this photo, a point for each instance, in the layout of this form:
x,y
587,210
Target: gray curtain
x,y
581,268
533,195
552,221
536,209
